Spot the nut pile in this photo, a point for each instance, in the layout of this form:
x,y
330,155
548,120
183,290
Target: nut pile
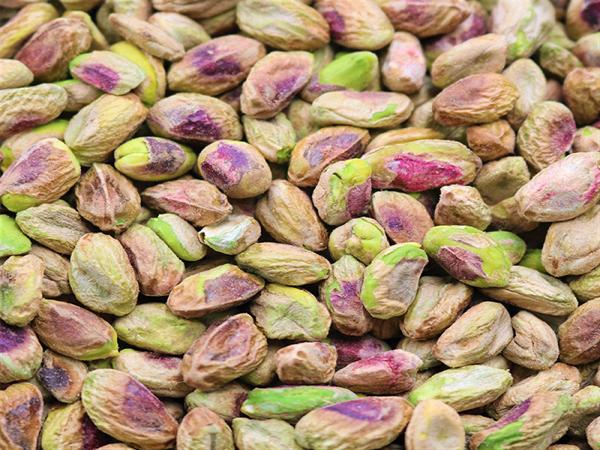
x,y
295,224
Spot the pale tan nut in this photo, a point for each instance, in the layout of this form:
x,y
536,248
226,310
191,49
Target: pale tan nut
x,y
198,10
404,66
183,29
592,433
201,427
423,349
530,81
148,37
79,94
22,25
434,426
501,179
14,74
306,363
581,92
491,140
462,205
401,135
578,335
99,41
56,269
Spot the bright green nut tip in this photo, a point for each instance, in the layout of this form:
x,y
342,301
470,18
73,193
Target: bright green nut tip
x,y
355,71
533,260
513,245
150,91
18,202
12,239
180,236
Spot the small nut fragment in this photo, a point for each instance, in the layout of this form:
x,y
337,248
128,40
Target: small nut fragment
x,y
12,241
179,235
61,376
513,245
69,425
462,205
306,363
232,235
436,426
356,71
225,402
362,238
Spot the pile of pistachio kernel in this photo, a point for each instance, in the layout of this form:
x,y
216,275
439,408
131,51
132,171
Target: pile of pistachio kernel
x,y
287,225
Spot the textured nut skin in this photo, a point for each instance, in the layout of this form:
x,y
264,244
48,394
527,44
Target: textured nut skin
x,y
20,289
506,216
180,27
225,402
79,94
201,425
462,205
401,135
580,90
306,363
22,25
56,268
14,74
21,407
263,434
22,353
61,376
403,68
362,238
232,235
586,286
403,217
436,426
576,336
530,81
354,349
501,179
491,140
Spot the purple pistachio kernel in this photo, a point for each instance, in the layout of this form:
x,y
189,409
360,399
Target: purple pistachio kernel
x,y
228,287
204,61
11,337
165,156
54,377
336,24
225,166
140,405
416,174
349,141
358,409
198,123
590,13
100,76
461,263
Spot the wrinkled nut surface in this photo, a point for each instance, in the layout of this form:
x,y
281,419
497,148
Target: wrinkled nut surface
x,y
434,425
306,363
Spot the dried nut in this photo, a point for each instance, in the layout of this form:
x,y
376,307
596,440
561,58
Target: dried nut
x,y
107,71
125,409
99,41
306,363
423,350
151,326
283,24
341,294
159,373
20,289
264,434
201,426
425,18
196,201
577,335
216,66
290,403
434,425
361,424
501,179
534,291
356,71
284,312
580,91
153,87
480,98
61,376
179,235
391,280
204,9
587,139
362,238
68,425
100,127
194,118
21,411
466,388
12,240
354,349
225,402
265,373
235,167
586,287
107,199
533,260
437,305
557,60
540,420
22,25
227,350
530,82
586,49
74,331
232,235
53,225
400,136
186,31
274,138
274,81
422,165
28,107
386,328
14,74
513,245
213,290
299,116
403,68
79,94
473,423
48,52
506,216
482,54
535,345
21,353
572,247
469,255
462,205
491,140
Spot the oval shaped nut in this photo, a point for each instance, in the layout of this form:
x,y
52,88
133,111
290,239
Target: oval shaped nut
x,y
274,138
299,116
400,136
306,363
587,139
341,294
436,426
20,353
587,286
48,52
530,82
404,67
466,388
183,29
28,107
79,94
425,18
197,201
22,25
580,91
513,245
274,81
74,331
437,305
205,9
580,18
479,98
482,54
101,276
94,132
491,140
201,426
576,336
153,327
21,411
14,74
356,71
540,420
462,205
290,403
535,344
469,255
481,333
125,409
501,179
284,312
235,167
422,165
285,25
592,433
390,372
360,424
156,267
179,235
227,350
21,280
356,348
232,235
422,349
61,376
362,238
557,60
586,50
216,66
12,241
225,402
256,434
194,118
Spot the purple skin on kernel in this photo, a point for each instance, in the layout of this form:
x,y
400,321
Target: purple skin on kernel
x,y
367,410
348,298
228,288
165,156
99,76
142,407
460,263
351,349
168,362
32,166
283,90
358,198
54,378
198,125
564,135
341,146
590,12
26,121
225,166
336,23
93,438
415,174
206,60
11,337
18,419
511,415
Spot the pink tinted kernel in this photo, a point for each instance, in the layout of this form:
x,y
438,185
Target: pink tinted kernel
x,y
198,125
367,410
357,199
415,174
99,76
460,263
165,156
344,146
336,23
142,407
226,166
